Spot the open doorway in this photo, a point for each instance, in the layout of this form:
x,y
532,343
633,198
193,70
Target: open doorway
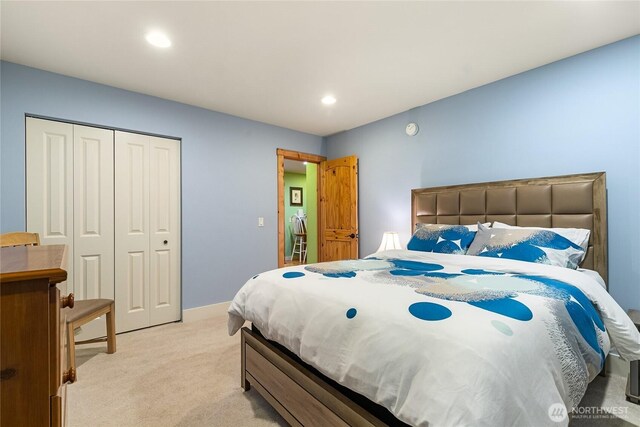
x,y
300,212
298,207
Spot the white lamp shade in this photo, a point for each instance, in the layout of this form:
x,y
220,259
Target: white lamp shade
x,y
390,240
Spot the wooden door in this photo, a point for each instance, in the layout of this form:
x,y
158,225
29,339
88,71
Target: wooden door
x,y
49,170
164,227
339,209
93,239
132,231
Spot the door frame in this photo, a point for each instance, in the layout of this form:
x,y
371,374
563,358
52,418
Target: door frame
x,y
281,155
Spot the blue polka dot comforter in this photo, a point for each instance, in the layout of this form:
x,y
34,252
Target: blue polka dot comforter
x,y
441,339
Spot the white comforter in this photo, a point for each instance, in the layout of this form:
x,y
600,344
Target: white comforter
x,y
443,340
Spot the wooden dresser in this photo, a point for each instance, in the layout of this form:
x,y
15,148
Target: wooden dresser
x,y
33,373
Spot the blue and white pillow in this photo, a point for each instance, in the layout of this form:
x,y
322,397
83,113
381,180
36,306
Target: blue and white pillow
x,y
579,236
442,238
539,246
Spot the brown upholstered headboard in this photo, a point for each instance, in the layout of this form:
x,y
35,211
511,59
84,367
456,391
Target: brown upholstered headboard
x,y
571,201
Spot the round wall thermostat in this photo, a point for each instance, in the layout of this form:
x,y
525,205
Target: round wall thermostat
x,y
412,129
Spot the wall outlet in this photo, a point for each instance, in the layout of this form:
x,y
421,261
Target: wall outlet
x,y
260,221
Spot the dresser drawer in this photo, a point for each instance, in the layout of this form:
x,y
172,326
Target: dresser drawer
x,y
24,339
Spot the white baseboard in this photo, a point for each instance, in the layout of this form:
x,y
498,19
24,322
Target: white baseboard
x,y
205,312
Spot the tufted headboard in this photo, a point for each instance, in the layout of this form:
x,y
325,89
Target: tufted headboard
x,y
570,201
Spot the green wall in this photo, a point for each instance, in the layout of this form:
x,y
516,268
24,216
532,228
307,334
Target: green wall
x,y
309,185
292,180
312,212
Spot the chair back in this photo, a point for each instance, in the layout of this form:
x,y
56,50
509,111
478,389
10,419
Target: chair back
x,y
299,224
19,238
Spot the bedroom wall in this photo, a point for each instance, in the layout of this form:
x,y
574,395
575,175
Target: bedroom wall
x,y
581,114
228,171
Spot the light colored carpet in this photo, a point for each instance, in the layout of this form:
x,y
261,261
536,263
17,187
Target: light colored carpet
x,y
179,374
188,374
607,393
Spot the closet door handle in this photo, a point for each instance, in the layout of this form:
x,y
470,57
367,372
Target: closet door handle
x,y
165,242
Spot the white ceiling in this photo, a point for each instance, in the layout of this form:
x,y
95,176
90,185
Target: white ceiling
x,y
274,61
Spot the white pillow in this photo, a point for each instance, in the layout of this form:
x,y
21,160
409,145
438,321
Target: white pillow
x,y
579,236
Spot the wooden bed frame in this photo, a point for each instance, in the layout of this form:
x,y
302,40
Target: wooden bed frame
x,y
299,393
303,396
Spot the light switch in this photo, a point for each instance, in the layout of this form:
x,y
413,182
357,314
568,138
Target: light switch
x,y
260,221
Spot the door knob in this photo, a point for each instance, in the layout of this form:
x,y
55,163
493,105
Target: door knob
x,y
67,301
352,235
165,242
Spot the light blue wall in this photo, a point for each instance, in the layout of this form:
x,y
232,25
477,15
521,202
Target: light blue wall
x,y
229,174
581,114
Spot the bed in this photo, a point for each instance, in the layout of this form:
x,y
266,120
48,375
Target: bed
x,y
420,338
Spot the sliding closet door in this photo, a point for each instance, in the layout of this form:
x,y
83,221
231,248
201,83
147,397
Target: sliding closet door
x,y
114,199
164,195
93,212
93,219
49,154
147,230
132,231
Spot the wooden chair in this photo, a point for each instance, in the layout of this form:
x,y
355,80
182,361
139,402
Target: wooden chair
x,y
19,238
300,238
84,311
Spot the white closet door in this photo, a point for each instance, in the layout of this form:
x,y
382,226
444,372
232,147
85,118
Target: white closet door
x,y
164,209
49,154
93,219
131,231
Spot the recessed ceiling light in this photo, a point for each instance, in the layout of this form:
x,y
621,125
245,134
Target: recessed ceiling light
x,y
158,39
328,100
